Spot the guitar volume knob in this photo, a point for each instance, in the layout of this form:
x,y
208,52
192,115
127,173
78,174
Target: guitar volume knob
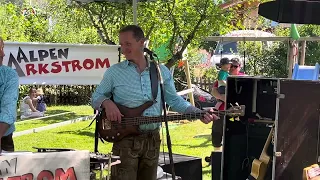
x,y
118,134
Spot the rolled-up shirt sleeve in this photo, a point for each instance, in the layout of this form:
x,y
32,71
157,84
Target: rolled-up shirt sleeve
x,y
171,97
103,90
9,99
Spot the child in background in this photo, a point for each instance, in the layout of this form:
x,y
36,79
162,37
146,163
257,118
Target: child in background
x,y
41,105
223,74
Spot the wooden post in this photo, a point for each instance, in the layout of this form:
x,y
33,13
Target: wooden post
x,y
296,56
187,71
303,53
288,52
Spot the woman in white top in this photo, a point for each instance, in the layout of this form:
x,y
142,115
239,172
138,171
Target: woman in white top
x,y
28,104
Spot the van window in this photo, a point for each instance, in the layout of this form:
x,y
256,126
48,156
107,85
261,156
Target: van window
x,y
226,47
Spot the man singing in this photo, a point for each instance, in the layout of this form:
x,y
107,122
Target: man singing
x,y
129,84
9,92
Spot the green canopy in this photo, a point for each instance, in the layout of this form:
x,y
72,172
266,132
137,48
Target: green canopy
x,y
294,34
162,49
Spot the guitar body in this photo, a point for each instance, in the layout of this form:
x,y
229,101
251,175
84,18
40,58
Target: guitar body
x,y
260,166
113,131
258,169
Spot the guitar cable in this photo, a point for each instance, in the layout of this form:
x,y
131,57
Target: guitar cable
x,y
245,162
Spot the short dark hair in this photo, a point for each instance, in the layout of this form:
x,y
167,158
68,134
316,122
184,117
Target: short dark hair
x,y
138,33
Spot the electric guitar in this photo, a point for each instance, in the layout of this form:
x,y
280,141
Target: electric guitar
x,y
311,172
113,131
260,166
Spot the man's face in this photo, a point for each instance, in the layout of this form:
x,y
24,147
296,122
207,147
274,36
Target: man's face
x,y
1,51
130,47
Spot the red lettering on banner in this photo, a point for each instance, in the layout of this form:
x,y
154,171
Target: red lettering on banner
x,y
58,67
88,61
100,64
60,174
45,174
43,68
66,65
69,175
30,68
75,64
28,176
14,178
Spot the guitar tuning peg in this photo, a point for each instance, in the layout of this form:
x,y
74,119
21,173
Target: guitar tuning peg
x,y
231,105
237,104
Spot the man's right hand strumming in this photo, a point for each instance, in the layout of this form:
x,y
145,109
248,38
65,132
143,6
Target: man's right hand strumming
x,y
112,111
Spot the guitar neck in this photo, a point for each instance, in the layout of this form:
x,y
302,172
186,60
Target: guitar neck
x,y
264,156
174,117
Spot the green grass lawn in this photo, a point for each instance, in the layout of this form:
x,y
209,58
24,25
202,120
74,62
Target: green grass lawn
x,y
191,139
78,111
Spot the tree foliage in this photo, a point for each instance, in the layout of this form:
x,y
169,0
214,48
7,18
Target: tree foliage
x,y
182,22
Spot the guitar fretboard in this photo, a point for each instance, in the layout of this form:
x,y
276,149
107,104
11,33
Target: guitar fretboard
x,y
156,119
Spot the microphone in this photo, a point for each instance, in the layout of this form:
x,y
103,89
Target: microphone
x,y
150,52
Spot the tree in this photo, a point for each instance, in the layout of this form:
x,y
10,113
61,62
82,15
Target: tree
x,y
185,22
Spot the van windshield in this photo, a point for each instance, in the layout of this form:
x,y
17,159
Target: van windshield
x,y
226,47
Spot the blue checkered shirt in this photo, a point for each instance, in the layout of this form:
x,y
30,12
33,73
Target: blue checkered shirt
x,y
132,89
9,92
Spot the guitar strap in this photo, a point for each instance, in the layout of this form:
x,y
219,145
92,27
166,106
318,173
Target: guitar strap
x,y
154,80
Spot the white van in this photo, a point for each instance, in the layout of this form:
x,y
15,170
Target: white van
x,y
230,49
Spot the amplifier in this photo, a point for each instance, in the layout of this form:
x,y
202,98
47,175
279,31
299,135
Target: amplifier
x,y
186,167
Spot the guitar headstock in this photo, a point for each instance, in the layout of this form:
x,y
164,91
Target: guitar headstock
x,y
236,111
311,173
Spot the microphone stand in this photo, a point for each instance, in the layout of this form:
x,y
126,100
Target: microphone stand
x,y
165,117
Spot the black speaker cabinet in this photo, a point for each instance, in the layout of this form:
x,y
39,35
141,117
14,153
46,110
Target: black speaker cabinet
x,y
291,107
186,167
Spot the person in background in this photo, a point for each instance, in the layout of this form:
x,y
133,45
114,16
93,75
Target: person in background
x,y
217,126
27,106
9,92
235,67
223,74
41,104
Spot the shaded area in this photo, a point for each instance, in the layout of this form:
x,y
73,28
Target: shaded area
x,y
46,121
48,113
81,132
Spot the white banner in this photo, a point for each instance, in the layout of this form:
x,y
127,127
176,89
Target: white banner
x,y
67,165
53,63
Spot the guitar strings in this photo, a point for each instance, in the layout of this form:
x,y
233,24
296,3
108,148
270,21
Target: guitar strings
x,y
155,119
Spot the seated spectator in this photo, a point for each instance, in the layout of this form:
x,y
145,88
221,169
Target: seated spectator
x,y
41,105
27,106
